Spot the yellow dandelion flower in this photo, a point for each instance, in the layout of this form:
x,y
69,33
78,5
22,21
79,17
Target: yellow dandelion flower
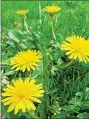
x,y
52,9
26,60
76,47
21,95
22,12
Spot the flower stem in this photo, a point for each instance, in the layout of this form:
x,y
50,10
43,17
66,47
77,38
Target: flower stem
x,y
40,12
25,24
53,32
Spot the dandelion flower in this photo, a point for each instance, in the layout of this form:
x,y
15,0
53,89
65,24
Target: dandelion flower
x,y
26,60
22,12
76,47
52,9
21,95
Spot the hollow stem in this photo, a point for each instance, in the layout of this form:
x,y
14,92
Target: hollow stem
x,y
25,24
53,32
52,28
40,12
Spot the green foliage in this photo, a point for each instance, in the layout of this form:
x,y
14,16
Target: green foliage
x,y
78,107
66,83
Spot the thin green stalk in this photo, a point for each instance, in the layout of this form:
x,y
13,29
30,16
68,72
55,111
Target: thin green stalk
x,y
42,74
40,12
25,24
53,32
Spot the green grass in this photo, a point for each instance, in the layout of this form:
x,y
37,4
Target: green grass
x,y
62,84
72,19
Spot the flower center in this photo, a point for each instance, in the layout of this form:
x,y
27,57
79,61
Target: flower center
x,y
21,96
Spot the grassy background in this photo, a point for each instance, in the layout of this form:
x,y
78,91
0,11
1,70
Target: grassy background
x,y
73,19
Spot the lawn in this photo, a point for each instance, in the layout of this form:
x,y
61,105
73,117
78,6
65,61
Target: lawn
x,y
45,59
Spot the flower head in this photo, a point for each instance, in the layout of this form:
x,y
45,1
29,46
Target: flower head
x,y
26,60
22,95
15,23
76,47
22,12
51,9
